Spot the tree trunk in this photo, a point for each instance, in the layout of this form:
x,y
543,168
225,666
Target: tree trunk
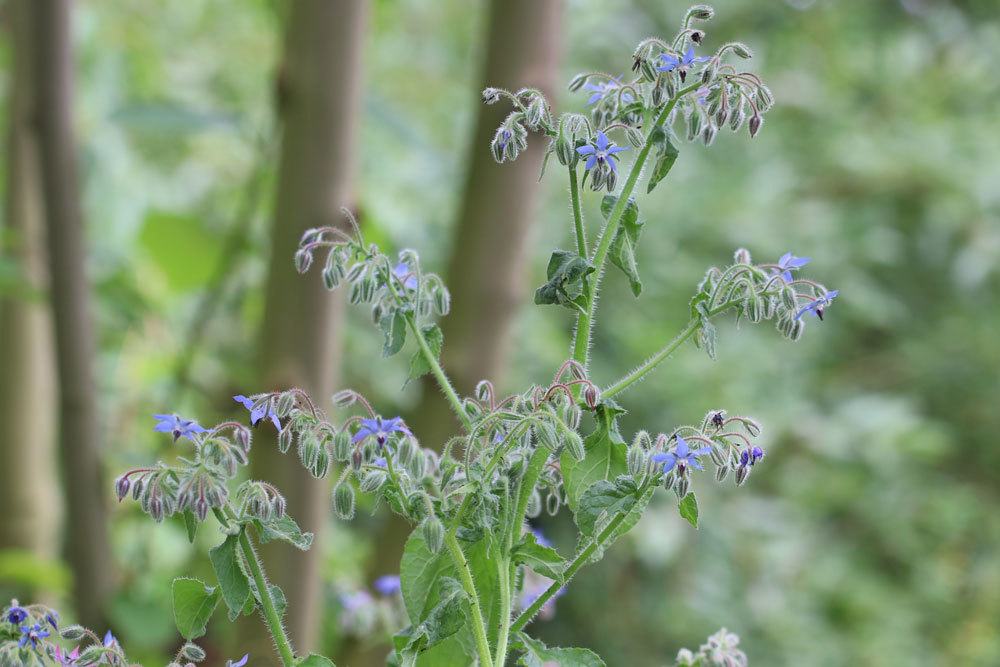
x,y
319,95
486,273
86,528
28,485
487,267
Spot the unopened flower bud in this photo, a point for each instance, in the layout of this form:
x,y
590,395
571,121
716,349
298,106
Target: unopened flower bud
x,y
357,458
742,472
681,486
635,137
193,652
372,481
122,485
742,256
73,632
574,445
433,532
754,308
303,260
636,460
755,122
552,503
701,12
534,504
576,83
721,472
285,439
491,95
788,298
442,300
708,134
343,500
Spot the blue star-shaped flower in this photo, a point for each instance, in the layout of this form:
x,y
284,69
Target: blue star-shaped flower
x,y
405,275
16,615
67,658
682,457
256,414
32,634
180,428
109,639
788,262
670,62
387,585
817,307
600,152
602,90
380,429
751,455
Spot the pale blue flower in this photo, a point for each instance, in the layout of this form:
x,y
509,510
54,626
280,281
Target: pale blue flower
x,y
818,306
788,262
601,152
681,457
256,414
681,63
180,428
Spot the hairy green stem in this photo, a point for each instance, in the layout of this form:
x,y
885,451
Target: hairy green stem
x,y
504,567
658,357
574,196
439,374
585,320
478,624
281,640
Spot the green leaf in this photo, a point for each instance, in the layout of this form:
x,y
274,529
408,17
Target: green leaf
x,y
566,275
444,620
313,660
546,561
232,580
688,508
394,330
194,603
285,529
435,340
601,501
622,250
419,571
191,525
664,160
537,654
604,456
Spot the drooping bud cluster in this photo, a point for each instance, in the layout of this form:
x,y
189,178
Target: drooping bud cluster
x,y
399,292
196,485
759,292
531,112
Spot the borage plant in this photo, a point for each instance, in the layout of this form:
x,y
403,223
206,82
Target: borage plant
x,y
470,570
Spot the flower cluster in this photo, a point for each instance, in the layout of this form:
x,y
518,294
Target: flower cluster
x,y
30,635
719,650
671,83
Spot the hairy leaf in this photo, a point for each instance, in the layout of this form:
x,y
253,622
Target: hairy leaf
x,y
566,276
232,580
285,529
546,561
622,250
604,457
665,158
537,654
435,340
688,508
394,330
194,603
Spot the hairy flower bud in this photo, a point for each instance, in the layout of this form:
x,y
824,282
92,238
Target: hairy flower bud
x,y
491,95
754,307
342,445
788,298
193,652
303,260
576,83
285,437
636,461
552,503
122,485
344,398
343,500
442,299
574,445
534,504
755,122
681,486
433,531
701,12
372,481
73,632
742,472
721,472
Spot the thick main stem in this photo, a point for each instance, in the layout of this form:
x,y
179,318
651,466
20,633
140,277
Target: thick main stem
x,y
478,624
504,569
271,617
585,320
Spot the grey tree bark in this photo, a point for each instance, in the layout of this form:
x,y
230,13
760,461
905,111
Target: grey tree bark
x,y
487,269
319,97
28,484
486,272
87,547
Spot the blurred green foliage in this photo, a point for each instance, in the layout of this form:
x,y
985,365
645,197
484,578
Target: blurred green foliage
x,y
870,533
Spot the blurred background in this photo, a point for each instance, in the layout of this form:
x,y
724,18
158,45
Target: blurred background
x,y
162,159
